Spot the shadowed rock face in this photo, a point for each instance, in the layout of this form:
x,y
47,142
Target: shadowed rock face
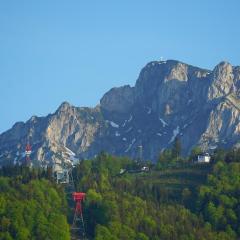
x,y
170,99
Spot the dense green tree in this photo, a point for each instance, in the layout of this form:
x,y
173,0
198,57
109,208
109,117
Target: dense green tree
x,y
194,153
173,201
219,198
33,210
164,159
103,233
128,206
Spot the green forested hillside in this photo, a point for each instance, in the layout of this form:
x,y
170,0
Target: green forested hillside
x,y
161,204
31,207
219,199
176,199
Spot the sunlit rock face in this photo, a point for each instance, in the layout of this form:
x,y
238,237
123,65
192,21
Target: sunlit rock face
x,y
170,99
222,81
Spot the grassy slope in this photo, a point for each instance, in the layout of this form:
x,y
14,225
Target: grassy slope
x,y
172,181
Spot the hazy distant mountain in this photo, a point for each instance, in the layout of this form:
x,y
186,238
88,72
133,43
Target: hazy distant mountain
x,y
170,99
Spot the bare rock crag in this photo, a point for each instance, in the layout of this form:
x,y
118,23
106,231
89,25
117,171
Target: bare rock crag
x,y
170,99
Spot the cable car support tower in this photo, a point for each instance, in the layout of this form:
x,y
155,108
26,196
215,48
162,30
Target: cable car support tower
x,y
28,151
63,175
78,228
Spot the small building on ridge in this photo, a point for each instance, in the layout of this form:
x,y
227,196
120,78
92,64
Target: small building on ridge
x,y
203,158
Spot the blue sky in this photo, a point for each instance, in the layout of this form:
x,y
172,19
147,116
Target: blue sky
x,y
55,51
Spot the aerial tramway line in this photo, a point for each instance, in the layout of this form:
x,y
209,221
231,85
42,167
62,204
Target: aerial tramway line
x,y
63,175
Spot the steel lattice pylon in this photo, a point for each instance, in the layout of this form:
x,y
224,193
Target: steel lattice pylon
x,y
28,151
78,228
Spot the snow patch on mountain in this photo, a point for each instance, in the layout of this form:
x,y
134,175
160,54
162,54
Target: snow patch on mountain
x,y
130,145
117,134
113,124
175,133
149,110
130,118
128,130
163,122
124,124
71,156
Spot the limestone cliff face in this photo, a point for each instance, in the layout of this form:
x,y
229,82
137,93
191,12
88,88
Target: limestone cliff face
x,y
222,81
118,99
170,99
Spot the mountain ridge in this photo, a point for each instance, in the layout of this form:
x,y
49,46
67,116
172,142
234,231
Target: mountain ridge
x,y
169,99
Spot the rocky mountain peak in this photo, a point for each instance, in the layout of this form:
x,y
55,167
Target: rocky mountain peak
x,y
223,71
155,73
179,72
222,81
170,99
65,106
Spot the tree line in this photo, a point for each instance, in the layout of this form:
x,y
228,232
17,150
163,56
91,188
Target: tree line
x,y
175,200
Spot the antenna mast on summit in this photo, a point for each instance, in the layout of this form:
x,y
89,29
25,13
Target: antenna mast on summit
x,y
28,151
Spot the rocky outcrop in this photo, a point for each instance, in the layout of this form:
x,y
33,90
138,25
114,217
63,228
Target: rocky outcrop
x,y
118,99
170,99
222,81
